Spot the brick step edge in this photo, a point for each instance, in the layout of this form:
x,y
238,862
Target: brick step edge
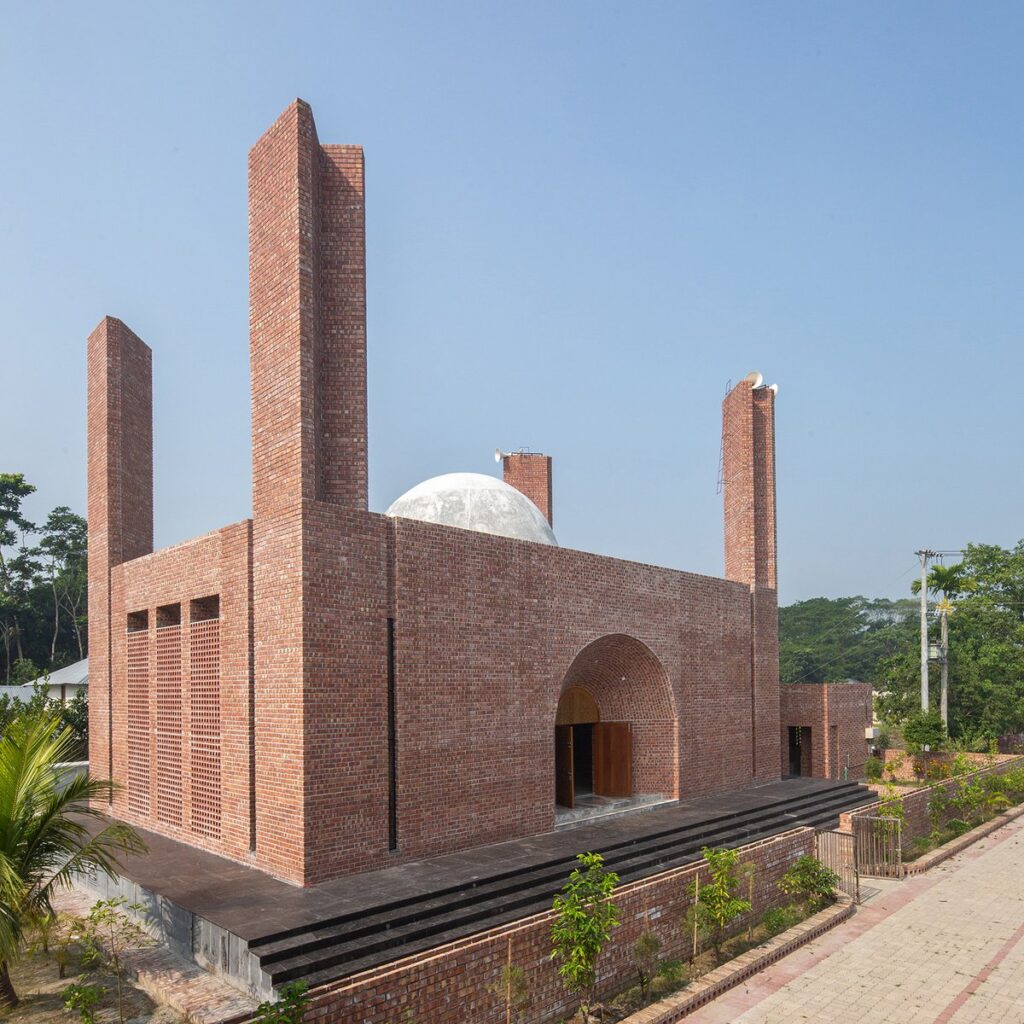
x,y
955,846
721,979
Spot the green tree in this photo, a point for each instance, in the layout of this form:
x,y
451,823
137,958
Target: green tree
x,y
586,917
61,554
986,651
924,729
716,903
14,581
43,841
824,639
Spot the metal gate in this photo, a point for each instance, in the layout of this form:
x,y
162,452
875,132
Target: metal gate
x,y
879,846
838,852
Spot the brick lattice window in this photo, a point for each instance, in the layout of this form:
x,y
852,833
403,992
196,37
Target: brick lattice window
x,y
138,717
205,708
168,721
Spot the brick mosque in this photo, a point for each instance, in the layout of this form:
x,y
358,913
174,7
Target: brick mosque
x,y
320,690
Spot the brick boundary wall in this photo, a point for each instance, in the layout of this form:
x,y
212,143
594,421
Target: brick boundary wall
x,y
916,822
457,983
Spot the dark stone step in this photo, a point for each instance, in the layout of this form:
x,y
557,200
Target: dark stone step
x,y
345,945
635,859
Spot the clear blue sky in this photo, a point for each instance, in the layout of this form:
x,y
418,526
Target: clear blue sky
x,y
583,220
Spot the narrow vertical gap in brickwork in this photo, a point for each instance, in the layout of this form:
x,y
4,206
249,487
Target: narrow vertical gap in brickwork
x,y
110,694
392,737
204,636
252,705
168,722
753,684
137,699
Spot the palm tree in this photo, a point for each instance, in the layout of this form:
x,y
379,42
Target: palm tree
x,y
948,580
44,841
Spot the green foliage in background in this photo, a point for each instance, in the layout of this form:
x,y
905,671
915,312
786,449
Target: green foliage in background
x,y
43,596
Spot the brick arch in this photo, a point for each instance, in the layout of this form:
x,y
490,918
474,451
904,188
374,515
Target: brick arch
x,y
629,684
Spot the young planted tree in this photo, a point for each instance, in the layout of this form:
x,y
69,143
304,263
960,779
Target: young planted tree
x,y
43,840
646,959
109,931
586,917
716,904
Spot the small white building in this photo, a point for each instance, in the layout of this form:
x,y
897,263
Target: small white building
x,y
64,684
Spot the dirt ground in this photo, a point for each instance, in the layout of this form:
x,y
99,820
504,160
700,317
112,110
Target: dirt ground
x,y
36,982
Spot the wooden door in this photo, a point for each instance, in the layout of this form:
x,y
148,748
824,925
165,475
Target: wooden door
x,y
613,759
563,766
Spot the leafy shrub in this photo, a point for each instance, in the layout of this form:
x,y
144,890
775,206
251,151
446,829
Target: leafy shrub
x,y
645,959
873,768
290,1007
84,999
778,919
957,826
810,882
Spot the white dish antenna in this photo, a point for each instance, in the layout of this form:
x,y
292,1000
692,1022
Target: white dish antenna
x,y
498,455
756,380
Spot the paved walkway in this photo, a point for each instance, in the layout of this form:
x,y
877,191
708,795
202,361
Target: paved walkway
x,y
941,948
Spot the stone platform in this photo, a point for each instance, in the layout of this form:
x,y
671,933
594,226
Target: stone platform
x,y
258,931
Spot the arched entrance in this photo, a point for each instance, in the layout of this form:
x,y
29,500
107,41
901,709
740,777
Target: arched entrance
x,y
615,725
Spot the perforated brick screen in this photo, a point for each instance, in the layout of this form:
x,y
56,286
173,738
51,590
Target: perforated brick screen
x,y
138,721
168,724
205,709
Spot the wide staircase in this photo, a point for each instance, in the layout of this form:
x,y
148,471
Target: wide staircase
x,y
340,946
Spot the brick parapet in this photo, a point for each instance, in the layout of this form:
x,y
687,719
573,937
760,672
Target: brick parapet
x,y
459,982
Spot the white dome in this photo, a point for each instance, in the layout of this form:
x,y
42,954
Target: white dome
x,y
474,501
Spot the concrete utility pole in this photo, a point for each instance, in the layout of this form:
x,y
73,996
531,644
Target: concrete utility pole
x,y
924,555
944,609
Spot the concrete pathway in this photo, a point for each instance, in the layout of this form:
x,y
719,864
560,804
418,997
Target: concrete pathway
x,y
941,948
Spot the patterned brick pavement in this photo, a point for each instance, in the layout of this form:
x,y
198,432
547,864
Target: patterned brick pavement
x,y
942,948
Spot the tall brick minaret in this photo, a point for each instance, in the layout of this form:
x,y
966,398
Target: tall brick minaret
x,y
748,450
307,325
120,499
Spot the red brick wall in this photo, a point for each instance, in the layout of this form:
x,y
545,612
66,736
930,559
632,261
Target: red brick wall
x,y
212,751
459,983
837,715
531,473
486,631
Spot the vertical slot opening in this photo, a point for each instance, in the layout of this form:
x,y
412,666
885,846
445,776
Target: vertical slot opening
x,y
392,737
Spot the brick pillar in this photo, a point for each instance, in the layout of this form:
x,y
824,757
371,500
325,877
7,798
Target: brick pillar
x,y
748,446
530,473
120,500
308,361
